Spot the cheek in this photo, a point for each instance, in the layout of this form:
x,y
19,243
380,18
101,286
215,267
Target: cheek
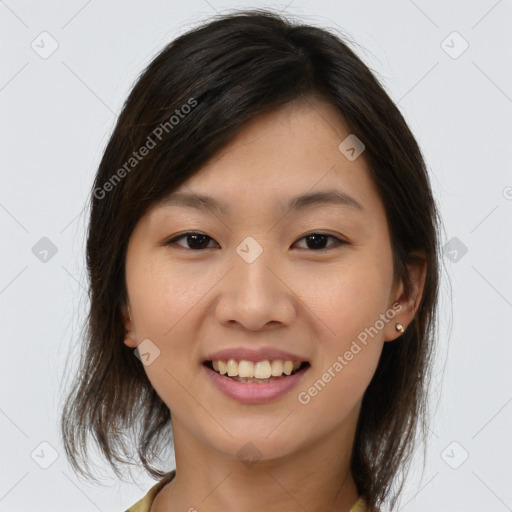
x,y
168,303
163,301
348,300
350,334
163,296
349,345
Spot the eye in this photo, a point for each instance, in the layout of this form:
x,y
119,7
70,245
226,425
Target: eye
x,y
316,241
195,241
199,241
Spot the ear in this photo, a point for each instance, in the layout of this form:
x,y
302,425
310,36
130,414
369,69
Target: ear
x,y
406,305
129,337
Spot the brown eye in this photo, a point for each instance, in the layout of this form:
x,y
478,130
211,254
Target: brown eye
x,y
317,241
199,241
194,241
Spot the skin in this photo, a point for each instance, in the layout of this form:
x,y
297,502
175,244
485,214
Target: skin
x,y
191,302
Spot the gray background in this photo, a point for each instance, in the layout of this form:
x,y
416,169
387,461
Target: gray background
x,y
57,112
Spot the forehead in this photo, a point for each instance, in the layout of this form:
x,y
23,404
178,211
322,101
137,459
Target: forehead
x,y
286,159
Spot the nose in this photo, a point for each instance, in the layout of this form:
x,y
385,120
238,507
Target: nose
x,y
254,296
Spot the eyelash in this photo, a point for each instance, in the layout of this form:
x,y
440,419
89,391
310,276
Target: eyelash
x,y
174,240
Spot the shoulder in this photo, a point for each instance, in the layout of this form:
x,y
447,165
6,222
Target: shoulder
x,y
144,504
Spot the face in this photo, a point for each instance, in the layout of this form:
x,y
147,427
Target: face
x,y
256,280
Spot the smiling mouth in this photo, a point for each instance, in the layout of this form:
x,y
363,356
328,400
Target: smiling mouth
x,y
260,372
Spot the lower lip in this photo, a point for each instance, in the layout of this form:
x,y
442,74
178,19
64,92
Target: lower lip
x,y
251,392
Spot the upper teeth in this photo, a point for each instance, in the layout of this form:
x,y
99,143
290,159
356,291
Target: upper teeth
x,y
259,370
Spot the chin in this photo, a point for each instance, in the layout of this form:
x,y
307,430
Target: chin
x,y
249,448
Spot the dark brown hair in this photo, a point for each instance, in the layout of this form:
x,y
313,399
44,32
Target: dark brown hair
x,y
194,96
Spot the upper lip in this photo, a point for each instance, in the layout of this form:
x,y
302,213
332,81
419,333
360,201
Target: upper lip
x,y
254,355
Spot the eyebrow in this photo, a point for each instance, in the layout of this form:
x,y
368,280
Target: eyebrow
x,y
300,202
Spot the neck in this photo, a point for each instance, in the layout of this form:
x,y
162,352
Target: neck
x,y
315,478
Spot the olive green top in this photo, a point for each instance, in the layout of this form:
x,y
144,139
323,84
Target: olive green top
x,y
144,505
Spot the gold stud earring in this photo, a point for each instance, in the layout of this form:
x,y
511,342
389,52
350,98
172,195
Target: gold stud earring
x,y
400,328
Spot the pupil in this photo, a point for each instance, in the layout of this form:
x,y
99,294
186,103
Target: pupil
x,y
318,241
195,244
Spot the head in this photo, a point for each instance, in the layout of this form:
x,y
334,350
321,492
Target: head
x,y
252,110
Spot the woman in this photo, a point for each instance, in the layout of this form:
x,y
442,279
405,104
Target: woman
x,y
263,261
